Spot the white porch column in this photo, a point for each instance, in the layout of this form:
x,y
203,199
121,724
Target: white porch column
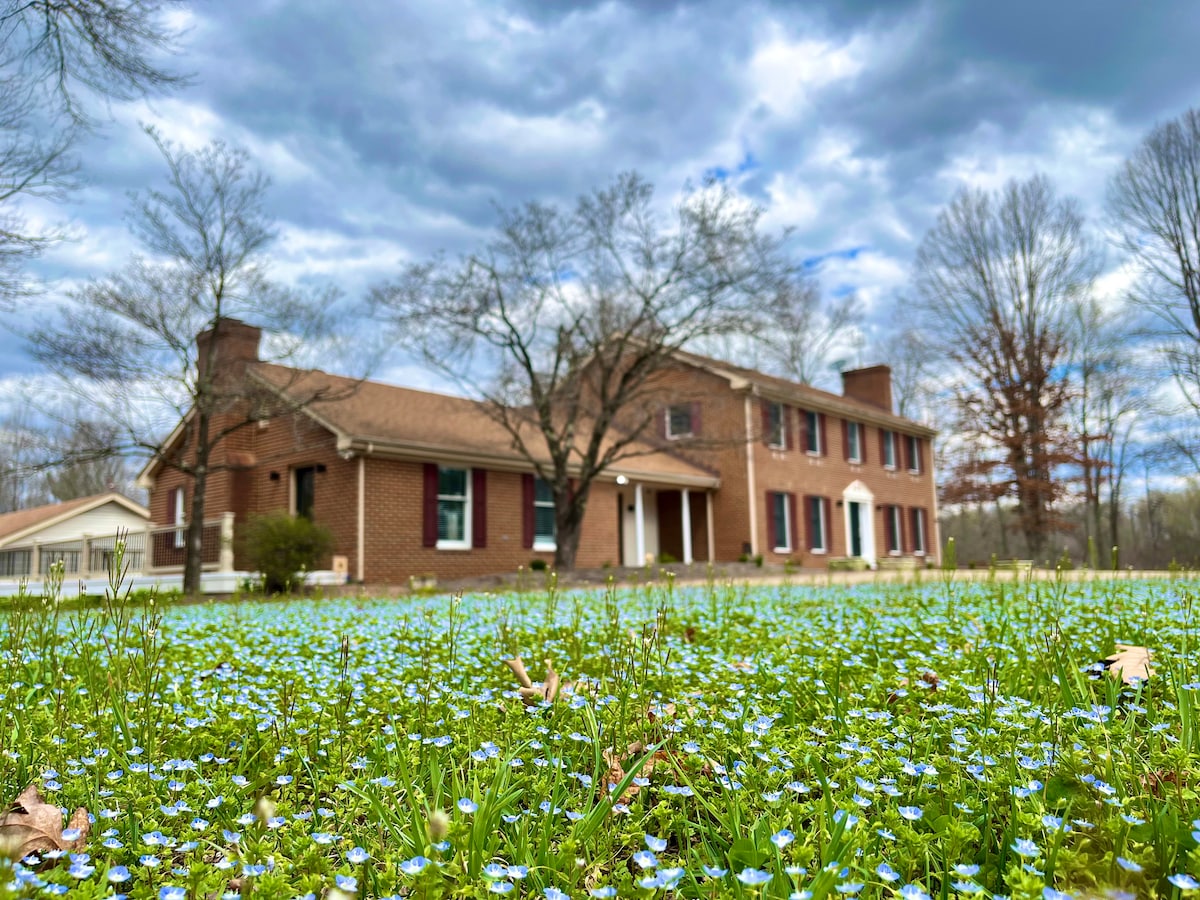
x,y
35,560
85,556
225,563
687,526
639,525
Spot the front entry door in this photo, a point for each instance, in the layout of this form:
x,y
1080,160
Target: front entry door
x,y
856,548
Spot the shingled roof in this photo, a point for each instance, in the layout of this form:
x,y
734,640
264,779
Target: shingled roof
x,y
374,417
23,521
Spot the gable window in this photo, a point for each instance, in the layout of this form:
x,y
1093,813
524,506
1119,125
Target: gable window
x,y
453,508
814,440
892,526
887,440
681,420
914,453
304,483
918,530
854,448
178,515
543,515
774,426
779,508
817,522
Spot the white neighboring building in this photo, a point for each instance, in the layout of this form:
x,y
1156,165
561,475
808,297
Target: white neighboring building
x,y
79,533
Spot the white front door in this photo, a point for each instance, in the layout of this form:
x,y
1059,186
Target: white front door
x,y
858,504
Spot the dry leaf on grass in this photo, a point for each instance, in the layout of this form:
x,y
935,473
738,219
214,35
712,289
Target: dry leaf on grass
x,y
660,759
535,693
31,825
1129,663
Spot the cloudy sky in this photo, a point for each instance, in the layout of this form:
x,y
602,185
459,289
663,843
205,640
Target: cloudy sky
x,y
391,130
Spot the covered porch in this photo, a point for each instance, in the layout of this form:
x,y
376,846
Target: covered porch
x,y
663,523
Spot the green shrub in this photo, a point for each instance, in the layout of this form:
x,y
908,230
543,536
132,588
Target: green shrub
x,y
537,565
281,547
848,564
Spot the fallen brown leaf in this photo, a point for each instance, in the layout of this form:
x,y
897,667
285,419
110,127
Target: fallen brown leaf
x,y
532,693
1130,663
31,825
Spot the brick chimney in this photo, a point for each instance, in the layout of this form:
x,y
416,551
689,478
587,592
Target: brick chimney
x,y
235,344
871,385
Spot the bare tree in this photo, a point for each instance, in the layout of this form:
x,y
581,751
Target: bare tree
x,y
563,321
1154,200
802,331
55,57
996,278
126,342
22,450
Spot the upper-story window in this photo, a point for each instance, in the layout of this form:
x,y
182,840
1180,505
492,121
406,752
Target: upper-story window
x,y
681,420
814,440
775,423
453,508
888,440
854,442
914,453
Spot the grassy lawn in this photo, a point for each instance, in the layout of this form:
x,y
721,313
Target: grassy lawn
x,y
928,740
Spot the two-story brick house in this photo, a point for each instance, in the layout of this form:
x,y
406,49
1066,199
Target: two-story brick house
x,y
414,483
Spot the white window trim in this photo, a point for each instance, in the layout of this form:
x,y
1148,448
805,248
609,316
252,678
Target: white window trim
x,y
786,546
465,543
919,532
180,518
781,444
824,548
542,544
889,443
816,429
672,436
896,530
914,450
856,429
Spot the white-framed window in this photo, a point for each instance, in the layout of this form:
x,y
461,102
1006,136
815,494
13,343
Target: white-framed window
x,y
813,439
781,522
679,420
543,516
893,523
454,509
889,449
914,453
178,516
918,531
817,525
854,435
776,422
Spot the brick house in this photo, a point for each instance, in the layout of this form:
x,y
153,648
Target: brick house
x,y
414,483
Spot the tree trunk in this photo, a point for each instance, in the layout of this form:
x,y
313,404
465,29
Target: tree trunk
x,y
569,507
194,560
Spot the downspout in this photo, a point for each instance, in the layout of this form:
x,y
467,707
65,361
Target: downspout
x,y
753,504
936,530
360,566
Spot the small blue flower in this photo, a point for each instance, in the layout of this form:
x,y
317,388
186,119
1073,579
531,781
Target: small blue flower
x,y
714,871
644,859
467,805
603,892
346,883
414,866
1183,881
118,874
357,856
553,893
1128,864
782,838
657,844
1026,848
500,887
886,872
171,892
753,877
911,813
849,887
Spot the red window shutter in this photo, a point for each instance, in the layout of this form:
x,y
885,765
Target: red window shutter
x,y
793,523
924,519
789,441
921,455
429,528
822,435
479,507
906,451
770,520
526,510
862,443
845,439
883,446
695,418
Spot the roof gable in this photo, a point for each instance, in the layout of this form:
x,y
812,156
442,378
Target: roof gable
x,y
23,522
